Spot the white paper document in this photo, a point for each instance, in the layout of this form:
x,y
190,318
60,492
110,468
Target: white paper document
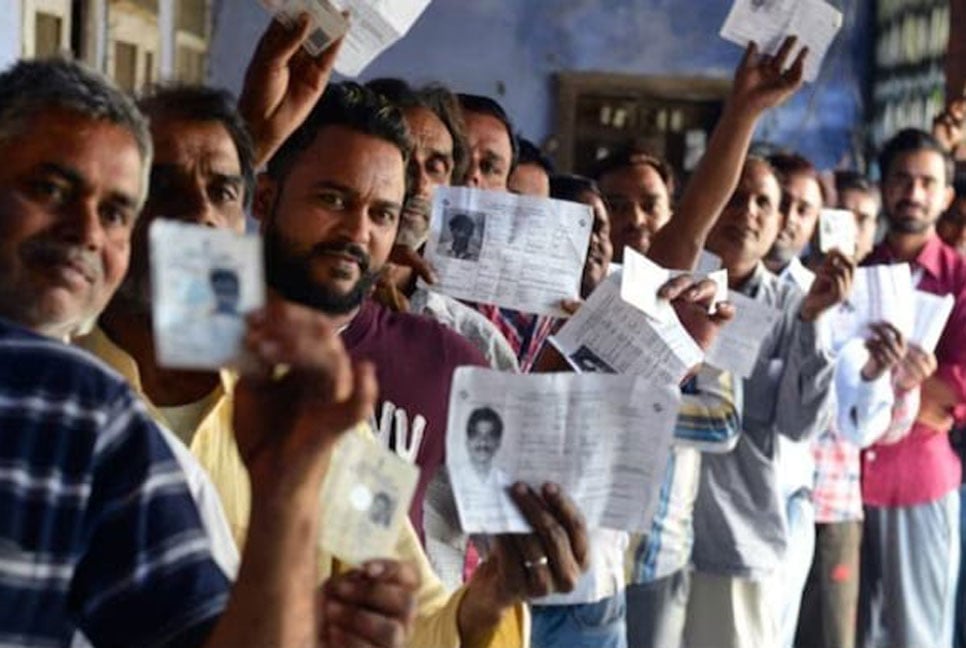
x,y
643,279
374,25
518,252
880,293
837,230
203,283
768,22
365,500
604,439
608,335
739,341
932,313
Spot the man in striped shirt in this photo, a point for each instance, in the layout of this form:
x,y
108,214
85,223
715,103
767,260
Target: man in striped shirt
x,y
99,532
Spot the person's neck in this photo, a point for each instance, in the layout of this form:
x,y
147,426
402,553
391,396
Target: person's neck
x,y
132,332
740,272
907,246
776,265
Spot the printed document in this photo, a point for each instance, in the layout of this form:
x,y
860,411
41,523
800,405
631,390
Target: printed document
x,y
739,341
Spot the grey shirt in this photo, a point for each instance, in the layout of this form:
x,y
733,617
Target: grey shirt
x,y
739,516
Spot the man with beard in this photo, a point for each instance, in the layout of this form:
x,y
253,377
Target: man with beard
x,y
910,551
802,202
329,223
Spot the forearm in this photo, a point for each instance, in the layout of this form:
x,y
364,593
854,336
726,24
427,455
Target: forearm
x,y
482,609
805,390
679,243
273,601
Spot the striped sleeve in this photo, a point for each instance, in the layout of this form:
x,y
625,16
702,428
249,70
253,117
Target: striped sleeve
x,y
147,576
708,419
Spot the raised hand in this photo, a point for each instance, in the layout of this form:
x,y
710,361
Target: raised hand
x,y
762,82
833,283
373,606
949,126
692,302
291,411
282,85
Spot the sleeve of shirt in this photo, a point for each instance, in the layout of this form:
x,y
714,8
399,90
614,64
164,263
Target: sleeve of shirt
x,y
864,407
147,576
709,417
804,403
951,355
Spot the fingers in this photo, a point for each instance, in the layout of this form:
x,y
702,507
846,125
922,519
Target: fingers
x,y
750,56
793,76
389,593
673,288
407,256
781,56
554,535
572,520
353,627
571,306
724,312
280,42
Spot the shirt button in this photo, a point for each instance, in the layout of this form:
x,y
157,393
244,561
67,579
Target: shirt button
x,y
870,456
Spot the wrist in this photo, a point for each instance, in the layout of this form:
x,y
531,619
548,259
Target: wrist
x,y
484,604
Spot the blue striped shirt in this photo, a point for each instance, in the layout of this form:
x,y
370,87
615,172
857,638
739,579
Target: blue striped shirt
x,y
708,421
98,530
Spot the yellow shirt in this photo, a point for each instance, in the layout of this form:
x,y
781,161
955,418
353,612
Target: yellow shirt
x,y
213,444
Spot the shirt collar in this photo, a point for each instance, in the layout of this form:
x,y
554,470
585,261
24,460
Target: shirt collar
x,y
752,283
929,258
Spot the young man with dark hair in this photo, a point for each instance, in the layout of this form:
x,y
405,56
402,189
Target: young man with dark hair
x,y
803,198
493,145
855,193
910,551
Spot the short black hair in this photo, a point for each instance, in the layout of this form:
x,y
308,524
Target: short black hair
x,y
789,163
486,106
910,140
350,105
461,222
567,186
480,415
848,180
530,153
202,103
630,155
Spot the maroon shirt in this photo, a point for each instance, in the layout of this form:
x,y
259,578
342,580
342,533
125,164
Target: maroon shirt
x,y
923,467
415,358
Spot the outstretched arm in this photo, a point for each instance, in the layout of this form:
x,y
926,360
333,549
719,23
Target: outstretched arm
x,y
760,83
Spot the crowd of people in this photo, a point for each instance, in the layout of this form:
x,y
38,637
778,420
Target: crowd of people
x,y
815,503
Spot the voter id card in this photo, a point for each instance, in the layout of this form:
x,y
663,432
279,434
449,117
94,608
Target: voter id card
x,y
204,282
837,230
365,500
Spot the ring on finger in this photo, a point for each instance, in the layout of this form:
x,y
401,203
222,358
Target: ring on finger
x,y
542,561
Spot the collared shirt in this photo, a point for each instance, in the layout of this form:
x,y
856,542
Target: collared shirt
x,y
863,415
739,516
99,533
469,323
214,445
796,273
525,332
925,452
708,422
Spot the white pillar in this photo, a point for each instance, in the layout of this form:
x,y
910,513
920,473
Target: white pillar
x,y
168,28
11,36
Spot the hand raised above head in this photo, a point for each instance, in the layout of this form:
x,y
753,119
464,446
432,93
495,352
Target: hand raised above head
x,y
282,85
762,82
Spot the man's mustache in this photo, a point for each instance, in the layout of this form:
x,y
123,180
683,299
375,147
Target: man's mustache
x,y
348,249
48,252
903,204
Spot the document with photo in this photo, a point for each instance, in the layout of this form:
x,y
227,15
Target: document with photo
x,y
518,252
931,315
203,283
768,22
739,341
880,293
605,439
365,500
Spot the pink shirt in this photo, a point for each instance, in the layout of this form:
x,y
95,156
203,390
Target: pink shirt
x,y
922,467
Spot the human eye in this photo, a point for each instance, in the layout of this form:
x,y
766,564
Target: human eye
x,y
224,192
384,215
331,199
114,215
49,190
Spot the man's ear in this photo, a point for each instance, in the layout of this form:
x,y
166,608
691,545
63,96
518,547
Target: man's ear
x,y
266,191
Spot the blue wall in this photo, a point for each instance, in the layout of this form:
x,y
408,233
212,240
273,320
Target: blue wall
x,y
512,48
